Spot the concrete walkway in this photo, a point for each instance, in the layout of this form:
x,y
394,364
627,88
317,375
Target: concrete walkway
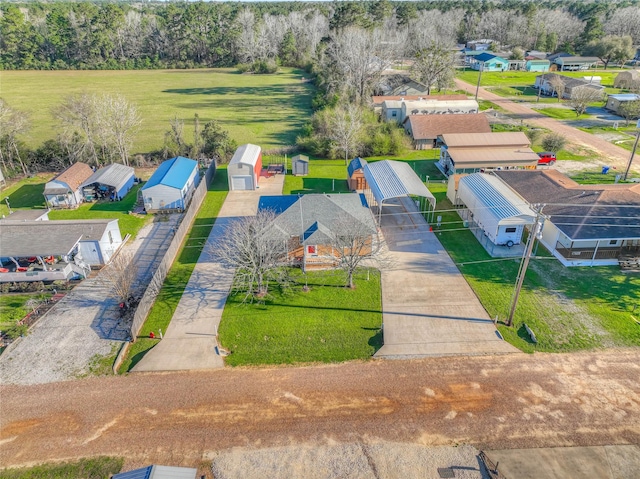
x,y
428,307
191,338
603,462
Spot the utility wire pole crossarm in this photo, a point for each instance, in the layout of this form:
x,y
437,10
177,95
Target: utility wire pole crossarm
x,y
535,231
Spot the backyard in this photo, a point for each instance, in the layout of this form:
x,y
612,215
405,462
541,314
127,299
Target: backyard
x,y
266,109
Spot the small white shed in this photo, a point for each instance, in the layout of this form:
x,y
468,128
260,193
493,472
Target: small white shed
x,y
244,168
495,208
300,165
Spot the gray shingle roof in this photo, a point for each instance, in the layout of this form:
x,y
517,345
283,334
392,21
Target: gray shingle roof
x,y
316,217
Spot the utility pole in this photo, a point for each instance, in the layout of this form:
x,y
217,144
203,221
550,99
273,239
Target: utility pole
x,y
479,78
535,230
633,151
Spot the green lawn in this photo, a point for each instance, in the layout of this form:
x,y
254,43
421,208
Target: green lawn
x,y
265,109
569,309
521,78
13,307
180,272
330,323
563,114
129,224
100,467
24,194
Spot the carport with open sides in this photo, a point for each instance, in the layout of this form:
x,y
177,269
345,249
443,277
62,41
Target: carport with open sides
x,y
428,307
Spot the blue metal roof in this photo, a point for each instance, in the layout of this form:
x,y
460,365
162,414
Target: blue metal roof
x,y
355,165
174,173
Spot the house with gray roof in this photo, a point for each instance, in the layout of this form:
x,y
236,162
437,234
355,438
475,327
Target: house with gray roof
x,y
310,224
571,85
112,182
584,225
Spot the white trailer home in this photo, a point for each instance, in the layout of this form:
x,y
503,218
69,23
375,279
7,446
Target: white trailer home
x,y
495,208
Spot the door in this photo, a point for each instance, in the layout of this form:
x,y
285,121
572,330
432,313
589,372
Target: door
x,y
241,183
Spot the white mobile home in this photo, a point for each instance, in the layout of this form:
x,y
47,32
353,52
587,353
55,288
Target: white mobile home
x,y
495,208
171,186
64,191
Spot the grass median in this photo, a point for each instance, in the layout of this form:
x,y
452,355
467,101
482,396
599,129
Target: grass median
x,y
329,323
180,272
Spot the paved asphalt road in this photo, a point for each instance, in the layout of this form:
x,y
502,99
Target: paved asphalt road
x,y
491,402
615,155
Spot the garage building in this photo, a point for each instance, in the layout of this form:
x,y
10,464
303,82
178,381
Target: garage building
x,y
112,182
244,168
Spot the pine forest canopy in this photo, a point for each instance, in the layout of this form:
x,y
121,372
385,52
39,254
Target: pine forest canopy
x,y
128,35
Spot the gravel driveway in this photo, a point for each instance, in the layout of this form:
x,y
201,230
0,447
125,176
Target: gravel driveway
x,y
85,324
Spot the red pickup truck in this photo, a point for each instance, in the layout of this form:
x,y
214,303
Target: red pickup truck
x,y
547,158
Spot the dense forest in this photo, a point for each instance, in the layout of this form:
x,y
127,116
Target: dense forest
x,y
120,35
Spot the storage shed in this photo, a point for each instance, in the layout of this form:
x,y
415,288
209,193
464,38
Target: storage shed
x,y
159,472
64,191
244,168
112,182
171,185
495,208
300,165
356,174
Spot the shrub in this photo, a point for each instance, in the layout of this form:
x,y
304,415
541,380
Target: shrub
x,y
554,142
17,330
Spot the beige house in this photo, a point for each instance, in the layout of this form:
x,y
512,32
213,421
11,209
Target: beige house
x,y
627,80
571,85
426,130
478,152
614,102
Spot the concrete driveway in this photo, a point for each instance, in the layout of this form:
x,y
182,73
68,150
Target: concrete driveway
x,y
191,338
428,307
85,324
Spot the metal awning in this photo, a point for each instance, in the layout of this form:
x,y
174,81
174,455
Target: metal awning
x,y
393,179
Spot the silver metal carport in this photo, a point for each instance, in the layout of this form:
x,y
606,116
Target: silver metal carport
x,y
393,179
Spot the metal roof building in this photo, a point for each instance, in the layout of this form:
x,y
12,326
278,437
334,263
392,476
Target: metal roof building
x,y
171,185
393,179
159,472
115,177
244,168
495,208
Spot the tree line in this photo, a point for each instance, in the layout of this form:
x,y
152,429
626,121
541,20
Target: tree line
x,y
87,35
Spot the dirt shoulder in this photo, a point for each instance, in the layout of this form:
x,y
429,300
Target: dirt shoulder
x,y
492,402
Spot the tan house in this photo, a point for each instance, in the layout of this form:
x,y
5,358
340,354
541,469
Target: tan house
x,y
627,80
64,191
427,130
477,152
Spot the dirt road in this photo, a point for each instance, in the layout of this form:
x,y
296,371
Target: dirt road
x,y
614,155
499,402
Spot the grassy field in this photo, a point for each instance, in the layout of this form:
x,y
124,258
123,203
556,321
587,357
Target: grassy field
x,y
90,468
563,114
24,194
569,309
330,323
180,272
521,78
264,109
129,224
13,307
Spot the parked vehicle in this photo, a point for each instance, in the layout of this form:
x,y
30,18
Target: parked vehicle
x,y
547,158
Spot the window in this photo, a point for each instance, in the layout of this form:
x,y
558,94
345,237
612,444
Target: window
x,y
613,242
510,230
394,114
312,250
110,238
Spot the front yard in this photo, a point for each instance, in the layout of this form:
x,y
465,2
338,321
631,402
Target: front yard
x,y
329,323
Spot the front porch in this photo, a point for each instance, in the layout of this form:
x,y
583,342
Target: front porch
x,y
574,255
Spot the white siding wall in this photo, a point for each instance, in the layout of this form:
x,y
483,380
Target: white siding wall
x,y
481,215
240,169
110,241
159,197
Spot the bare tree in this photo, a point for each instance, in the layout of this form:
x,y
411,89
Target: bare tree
x,y
121,274
355,244
256,255
356,59
581,97
433,64
558,86
345,126
119,121
629,110
78,116
624,21
13,123
246,39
